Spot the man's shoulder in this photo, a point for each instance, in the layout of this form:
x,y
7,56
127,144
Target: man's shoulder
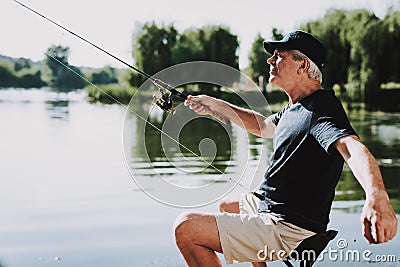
x,y
323,101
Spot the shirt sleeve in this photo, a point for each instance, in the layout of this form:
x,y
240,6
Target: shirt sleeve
x,y
329,124
277,116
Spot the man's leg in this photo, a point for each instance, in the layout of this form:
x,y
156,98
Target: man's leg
x,y
231,205
197,237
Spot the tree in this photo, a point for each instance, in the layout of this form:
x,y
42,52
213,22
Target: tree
x,y
258,56
7,77
30,80
276,34
370,76
22,63
389,38
342,31
63,75
56,57
156,48
152,48
360,22
190,46
258,59
331,30
104,76
221,46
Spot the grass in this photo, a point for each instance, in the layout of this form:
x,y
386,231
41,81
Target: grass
x,y
110,93
391,85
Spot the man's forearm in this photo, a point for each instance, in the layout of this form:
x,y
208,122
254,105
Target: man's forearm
x,y
250,120
365,168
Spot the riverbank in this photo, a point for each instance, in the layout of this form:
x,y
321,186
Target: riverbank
x,y
386,100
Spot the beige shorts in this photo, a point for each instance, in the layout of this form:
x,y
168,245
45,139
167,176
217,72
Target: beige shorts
x,y
256,237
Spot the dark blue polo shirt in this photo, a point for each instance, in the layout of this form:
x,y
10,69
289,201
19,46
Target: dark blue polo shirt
x,y
304,169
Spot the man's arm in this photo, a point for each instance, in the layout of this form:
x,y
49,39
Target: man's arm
x,y
252,121
378,218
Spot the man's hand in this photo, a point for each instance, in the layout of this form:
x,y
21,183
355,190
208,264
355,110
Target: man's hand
x,y
378,219
201,104
206,105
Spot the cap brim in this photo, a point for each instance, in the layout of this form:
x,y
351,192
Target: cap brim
x,y
271,46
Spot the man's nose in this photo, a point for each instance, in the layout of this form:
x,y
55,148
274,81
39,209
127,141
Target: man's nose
x,y
271,60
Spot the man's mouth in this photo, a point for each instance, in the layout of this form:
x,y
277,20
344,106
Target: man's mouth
x,y
273,71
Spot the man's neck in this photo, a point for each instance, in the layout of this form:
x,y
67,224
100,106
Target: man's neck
x,y
298,93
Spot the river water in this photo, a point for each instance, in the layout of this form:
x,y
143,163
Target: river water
x,y
87,184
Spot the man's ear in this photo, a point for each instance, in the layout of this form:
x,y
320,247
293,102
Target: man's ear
x,y
304,66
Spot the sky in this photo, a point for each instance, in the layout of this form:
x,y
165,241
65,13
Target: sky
x,y
110,24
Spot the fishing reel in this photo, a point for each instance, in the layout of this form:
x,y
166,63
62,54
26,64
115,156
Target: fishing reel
x,y
163,100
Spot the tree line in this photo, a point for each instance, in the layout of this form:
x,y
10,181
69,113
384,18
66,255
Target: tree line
x,y
362,52
20,73
54,71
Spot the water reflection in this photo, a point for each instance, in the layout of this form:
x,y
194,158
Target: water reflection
x,y
58,109
198,146
379,132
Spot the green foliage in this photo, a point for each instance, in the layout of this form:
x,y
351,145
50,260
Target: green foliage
x,y
6,75
22,63
362,51
156,48
221,46
276,34
389,54
30,80
152,48
64,76
25,79
258,56
340,30
190,46
212,43
110,93
104,76
258,60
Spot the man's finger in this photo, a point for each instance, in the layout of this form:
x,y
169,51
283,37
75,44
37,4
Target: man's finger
x,y
366,225
388,235
379,234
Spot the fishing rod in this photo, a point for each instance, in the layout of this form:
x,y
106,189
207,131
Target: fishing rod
x,y
164,102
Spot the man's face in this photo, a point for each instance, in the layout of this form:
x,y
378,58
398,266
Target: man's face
x,y
283,69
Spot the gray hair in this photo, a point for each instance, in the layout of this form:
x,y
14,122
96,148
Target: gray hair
x,y
313,72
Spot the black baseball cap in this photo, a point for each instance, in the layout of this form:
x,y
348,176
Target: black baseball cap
x,y
302,41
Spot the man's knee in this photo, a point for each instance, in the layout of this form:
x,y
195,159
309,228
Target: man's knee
x,y
230,204
183,227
